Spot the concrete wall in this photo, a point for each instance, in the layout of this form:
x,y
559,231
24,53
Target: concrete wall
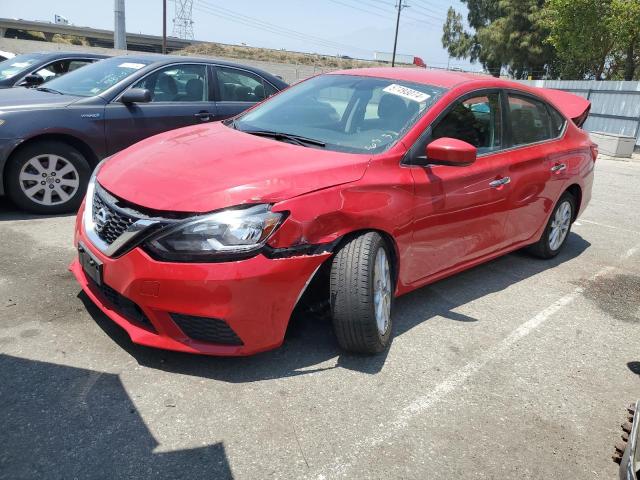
x,y
290,73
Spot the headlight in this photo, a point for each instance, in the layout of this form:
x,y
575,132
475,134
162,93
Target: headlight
x,y
230,232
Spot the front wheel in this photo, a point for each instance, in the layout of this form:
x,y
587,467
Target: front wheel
x,y
47,177
557,230
362,288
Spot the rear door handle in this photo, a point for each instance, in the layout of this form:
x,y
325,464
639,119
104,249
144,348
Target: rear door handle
x,y
204,116
500,182
559,167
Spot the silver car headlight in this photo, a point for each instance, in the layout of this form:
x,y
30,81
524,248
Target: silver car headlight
x,y
227,233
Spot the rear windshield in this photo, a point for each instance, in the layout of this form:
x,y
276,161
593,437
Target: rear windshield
x,y
96,78
18,66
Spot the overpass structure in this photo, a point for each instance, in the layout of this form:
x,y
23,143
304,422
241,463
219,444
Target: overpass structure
x,y
96,37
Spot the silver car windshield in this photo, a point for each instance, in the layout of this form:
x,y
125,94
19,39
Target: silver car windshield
x,y
346,113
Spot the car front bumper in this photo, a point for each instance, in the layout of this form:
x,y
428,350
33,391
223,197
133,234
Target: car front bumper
x,y
152,300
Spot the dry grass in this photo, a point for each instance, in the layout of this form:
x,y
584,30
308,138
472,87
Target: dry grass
x,y
276,56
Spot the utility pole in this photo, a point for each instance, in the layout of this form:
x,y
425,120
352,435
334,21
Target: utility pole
x,y
164,27
400,6
119,30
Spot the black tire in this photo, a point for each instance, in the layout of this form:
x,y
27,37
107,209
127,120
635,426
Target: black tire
x,y
352,295
542,248
14,187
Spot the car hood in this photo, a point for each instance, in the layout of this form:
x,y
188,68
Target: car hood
x,y
21,98
204,168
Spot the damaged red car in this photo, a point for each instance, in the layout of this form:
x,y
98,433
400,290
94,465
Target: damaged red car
x,y
353,187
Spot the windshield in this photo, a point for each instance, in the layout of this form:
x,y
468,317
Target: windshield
x,y
18,65
94,79
344,112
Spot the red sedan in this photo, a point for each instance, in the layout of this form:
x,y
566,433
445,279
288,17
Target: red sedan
x,y
353,188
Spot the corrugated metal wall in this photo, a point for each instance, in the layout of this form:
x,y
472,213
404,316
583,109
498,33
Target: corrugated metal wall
x,y
615,106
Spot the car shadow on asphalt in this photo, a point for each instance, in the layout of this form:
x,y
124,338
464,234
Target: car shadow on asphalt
x,y
310,345
634,367
9,212
65,422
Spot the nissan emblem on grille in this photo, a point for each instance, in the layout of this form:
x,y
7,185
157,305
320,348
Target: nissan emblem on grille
x,y
109,223
101,219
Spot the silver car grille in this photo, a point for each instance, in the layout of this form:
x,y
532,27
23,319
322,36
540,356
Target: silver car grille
x,y
109,223
115,229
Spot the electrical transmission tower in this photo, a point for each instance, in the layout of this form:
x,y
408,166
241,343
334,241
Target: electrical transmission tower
x,y
183,19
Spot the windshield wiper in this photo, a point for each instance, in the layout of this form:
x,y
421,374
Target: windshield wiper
x,y
297,139
50,90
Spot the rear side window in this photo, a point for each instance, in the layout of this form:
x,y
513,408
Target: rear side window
x,y
557,121
530,121
241,86
476,120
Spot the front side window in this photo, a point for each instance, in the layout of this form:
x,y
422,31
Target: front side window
x,y
476,120
177,83
240,86
346,113
97,77
530,121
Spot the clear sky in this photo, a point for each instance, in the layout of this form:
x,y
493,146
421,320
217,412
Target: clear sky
x,y
347,27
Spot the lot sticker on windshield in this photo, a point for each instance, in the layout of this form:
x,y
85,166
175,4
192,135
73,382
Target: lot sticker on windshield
x,y
20,64
408,93
135,66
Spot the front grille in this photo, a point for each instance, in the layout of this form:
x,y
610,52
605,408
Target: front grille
x,y
109,222
121,304
206,329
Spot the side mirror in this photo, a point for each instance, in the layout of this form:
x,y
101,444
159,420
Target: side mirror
x,y
136,95
451,151
32,80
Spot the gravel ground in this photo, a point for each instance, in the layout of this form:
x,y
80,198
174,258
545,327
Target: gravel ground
x,y
519,368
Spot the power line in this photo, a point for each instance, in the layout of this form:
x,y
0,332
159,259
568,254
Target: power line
x,y
246,20
427,6
388,4
387,11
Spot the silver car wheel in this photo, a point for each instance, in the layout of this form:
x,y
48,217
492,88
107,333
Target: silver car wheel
x,y
560,225
49,179
382,291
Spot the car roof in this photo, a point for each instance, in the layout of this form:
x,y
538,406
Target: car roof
x,y
439,78
54,55
158,60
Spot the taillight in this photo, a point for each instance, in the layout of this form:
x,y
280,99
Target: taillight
x,y
594,151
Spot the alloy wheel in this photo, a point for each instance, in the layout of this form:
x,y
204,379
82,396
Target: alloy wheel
x,y
49,179
560,225
382,291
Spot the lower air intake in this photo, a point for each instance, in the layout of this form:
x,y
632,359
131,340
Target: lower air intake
x,y
205,329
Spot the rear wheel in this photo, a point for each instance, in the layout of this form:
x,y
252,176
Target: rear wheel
x,y
557,230
47,178
361,287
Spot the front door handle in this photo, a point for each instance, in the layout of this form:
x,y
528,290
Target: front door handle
x,y
500,182
558,167
203,116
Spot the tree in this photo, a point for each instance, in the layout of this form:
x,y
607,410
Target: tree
x,y
595,38
507,34
625,25
461,44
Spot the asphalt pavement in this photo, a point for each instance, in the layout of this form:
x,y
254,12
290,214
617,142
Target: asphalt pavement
x,y
517,369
